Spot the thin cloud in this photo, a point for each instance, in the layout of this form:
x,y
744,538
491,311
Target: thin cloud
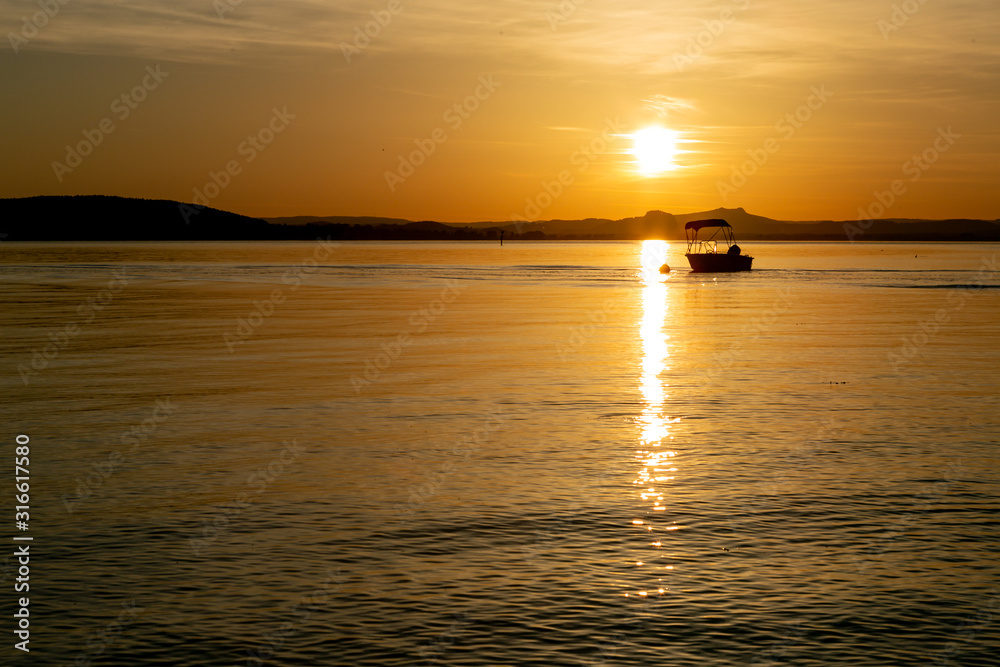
x,y
665,106
632,39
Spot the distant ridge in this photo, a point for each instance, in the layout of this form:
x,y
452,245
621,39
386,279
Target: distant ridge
x,y
108,218
658,224
337,220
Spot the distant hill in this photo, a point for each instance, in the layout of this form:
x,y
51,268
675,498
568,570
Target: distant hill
x,y
337,220
105,218
657,224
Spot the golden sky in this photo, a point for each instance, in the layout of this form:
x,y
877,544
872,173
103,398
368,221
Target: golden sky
x,y
472,110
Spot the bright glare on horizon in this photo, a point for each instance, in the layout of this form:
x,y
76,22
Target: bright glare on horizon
x,y
655,150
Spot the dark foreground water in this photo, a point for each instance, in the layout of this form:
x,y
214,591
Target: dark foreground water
x,y
541,454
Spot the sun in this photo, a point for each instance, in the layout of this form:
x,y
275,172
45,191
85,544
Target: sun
x,y
654,149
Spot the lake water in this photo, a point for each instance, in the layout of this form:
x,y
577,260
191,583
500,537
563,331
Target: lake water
x,y
535,454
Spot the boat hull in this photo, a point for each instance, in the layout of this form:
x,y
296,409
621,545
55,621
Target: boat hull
x,y
718,262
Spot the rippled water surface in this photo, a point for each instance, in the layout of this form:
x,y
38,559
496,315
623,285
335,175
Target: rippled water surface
x,y
540,454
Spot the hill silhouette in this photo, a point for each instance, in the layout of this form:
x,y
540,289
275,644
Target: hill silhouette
x,y
108,218
661,225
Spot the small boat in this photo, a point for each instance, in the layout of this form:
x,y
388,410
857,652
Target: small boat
x,y
704,255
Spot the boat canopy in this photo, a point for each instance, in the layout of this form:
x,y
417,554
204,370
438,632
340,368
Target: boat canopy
x,y
699,224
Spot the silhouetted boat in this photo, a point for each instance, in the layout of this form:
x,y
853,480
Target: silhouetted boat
x,y
704,255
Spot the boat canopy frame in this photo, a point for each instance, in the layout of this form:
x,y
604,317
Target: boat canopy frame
x,y
709,245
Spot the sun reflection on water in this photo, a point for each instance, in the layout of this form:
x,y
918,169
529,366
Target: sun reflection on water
x,y
653,453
